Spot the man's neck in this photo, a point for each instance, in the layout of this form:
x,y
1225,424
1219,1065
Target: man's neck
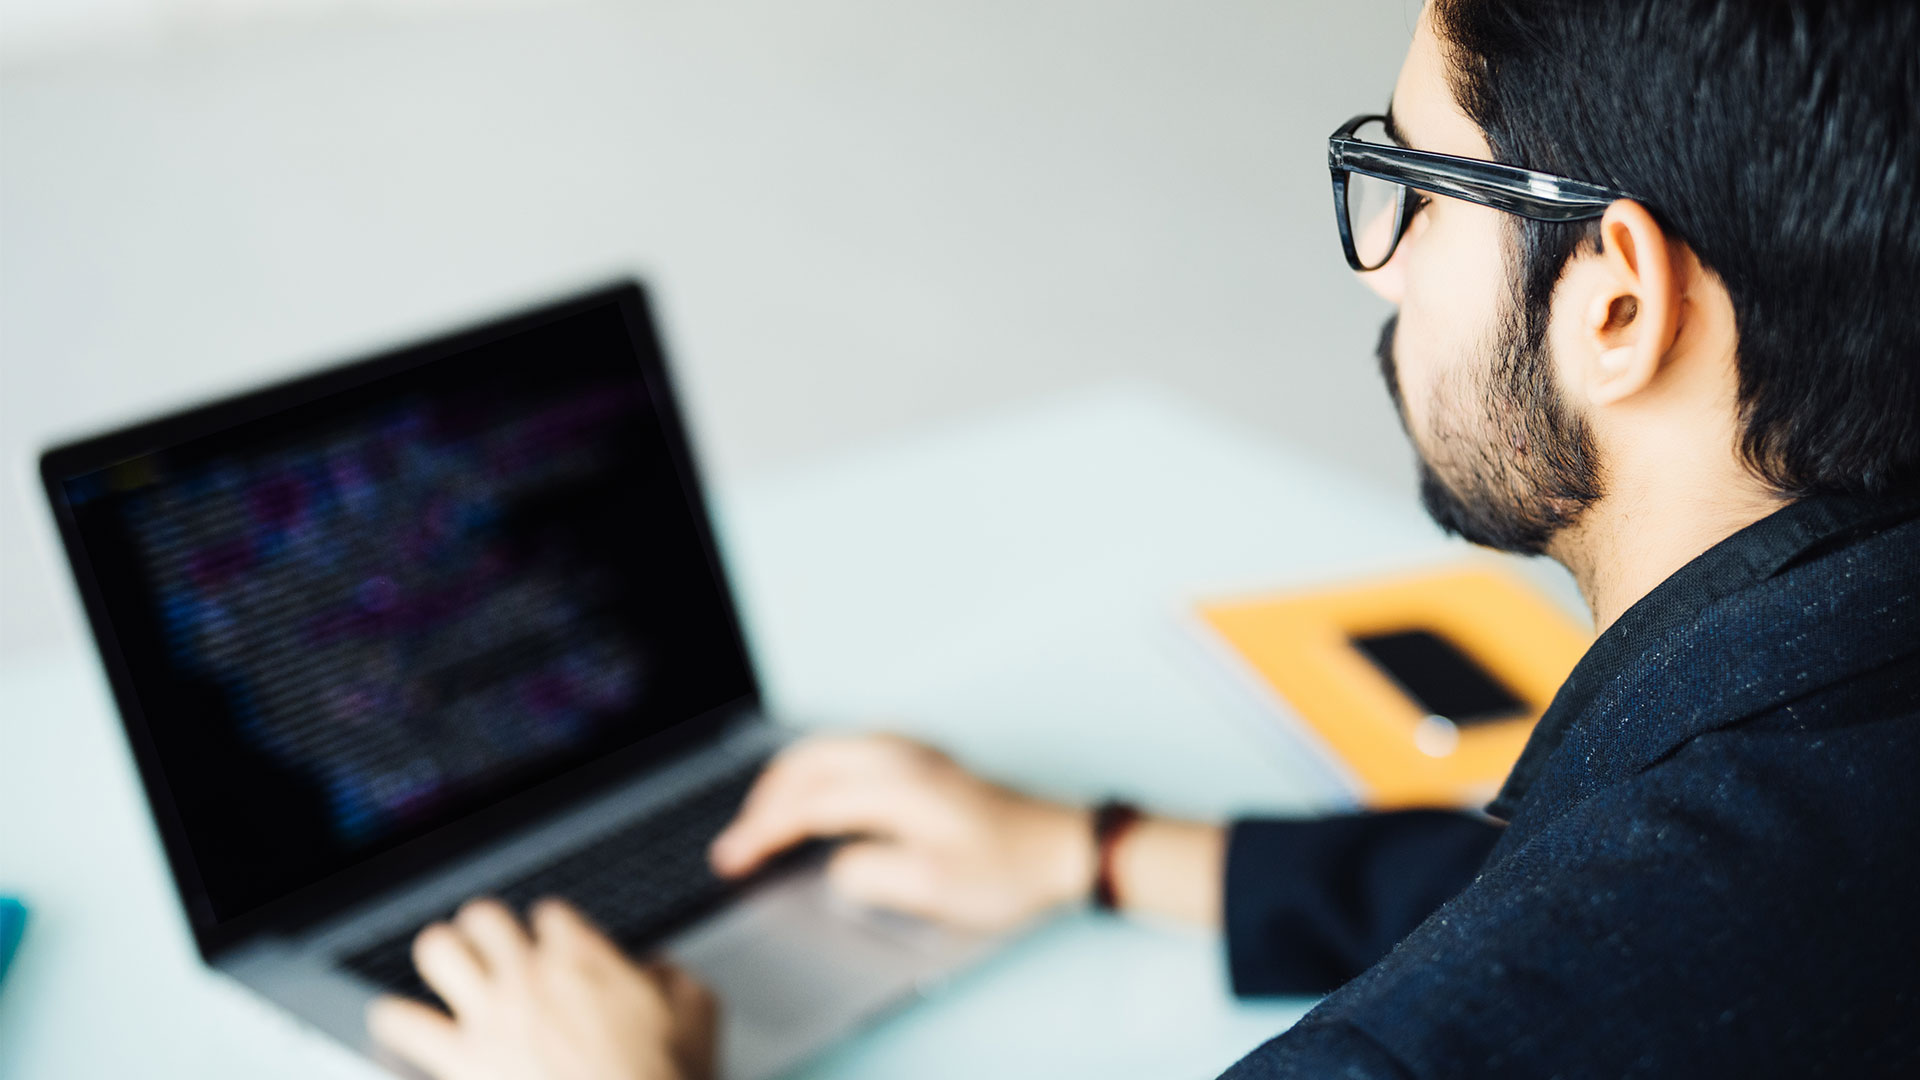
x,y
1621,548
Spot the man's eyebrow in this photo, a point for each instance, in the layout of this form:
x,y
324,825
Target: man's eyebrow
x,y
1394,133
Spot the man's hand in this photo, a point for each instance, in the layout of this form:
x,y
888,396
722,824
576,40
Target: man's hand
x,y
559,1003
927,837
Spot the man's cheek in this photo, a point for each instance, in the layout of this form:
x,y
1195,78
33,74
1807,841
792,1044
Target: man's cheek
x,y
1413,371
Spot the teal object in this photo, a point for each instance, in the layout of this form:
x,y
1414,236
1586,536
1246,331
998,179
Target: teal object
x,y
13,922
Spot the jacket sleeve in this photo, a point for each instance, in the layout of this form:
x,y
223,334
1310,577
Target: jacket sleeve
x,y
1312,903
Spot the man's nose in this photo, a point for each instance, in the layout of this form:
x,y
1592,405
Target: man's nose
x,y
1389,280
1375,234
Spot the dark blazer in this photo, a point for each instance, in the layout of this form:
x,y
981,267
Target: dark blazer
x,y
1710,865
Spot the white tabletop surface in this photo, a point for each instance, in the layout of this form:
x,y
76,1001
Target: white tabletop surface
x,y
1010,588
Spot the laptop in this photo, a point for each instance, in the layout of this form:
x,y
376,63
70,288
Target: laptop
x,y
447,622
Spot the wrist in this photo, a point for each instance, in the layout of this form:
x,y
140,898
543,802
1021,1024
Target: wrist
x,y
1074,859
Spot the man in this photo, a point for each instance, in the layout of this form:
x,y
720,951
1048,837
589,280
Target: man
x,y
1682,357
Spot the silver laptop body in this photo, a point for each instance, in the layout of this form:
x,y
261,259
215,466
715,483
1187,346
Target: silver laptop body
x,y
450,622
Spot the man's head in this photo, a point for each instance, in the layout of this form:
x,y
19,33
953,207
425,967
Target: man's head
x,y
1756,314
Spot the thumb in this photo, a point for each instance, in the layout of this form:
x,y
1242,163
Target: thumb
x,y
696,1024
885,875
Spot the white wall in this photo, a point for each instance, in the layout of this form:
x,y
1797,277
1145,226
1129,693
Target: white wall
x,y
40,28
862,215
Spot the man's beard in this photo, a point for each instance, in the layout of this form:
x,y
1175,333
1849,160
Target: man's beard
x,y
1525,469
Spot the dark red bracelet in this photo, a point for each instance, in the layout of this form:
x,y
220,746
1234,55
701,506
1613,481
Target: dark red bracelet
x,y
1112,820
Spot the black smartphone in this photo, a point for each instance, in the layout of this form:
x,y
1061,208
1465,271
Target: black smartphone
x,y
1441,678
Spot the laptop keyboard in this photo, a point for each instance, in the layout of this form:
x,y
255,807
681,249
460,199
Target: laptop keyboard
x,y
639,883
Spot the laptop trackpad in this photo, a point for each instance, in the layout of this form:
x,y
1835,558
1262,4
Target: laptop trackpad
x,y
795,969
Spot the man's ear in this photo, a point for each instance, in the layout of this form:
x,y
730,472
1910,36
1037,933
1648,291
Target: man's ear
x,y
1632,315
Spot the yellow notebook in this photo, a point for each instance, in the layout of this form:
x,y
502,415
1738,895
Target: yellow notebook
x,y
1300,647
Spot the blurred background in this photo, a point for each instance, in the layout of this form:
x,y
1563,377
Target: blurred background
x,y
860,217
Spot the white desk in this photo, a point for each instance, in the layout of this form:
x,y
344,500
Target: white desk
x,y
1010,589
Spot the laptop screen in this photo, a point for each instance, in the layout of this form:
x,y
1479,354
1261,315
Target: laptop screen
x,y
355,619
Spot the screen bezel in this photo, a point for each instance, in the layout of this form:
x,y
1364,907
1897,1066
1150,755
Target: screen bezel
x,y
420,856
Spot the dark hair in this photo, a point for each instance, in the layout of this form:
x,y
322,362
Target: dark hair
x,y
1780,141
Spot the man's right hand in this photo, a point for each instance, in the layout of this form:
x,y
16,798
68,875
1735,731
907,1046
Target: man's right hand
x,y
924,836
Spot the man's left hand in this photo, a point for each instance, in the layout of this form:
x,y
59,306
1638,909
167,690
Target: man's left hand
x,y
555,1000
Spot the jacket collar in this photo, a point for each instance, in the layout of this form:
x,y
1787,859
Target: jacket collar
x,y
1817,592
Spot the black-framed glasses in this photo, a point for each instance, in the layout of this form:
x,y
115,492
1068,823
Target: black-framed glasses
x,y
1372,178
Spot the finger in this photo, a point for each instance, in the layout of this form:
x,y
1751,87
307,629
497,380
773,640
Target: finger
x,y
418,1034
773,825
825,760
450,967
562,932
885,875
696,1023
811,770
689,998
807,765
738,848
496,935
